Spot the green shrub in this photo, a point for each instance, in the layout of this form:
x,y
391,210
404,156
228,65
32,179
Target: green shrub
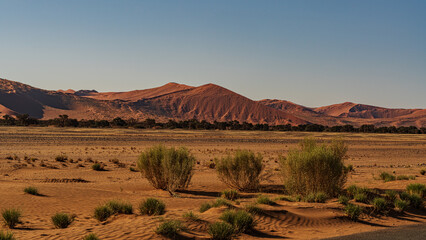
x,y
102,213
353,211
352,190
321,197
230,194
11,217
169,228
167,168
253,209
241,171
401,205
416,201
361,197
221,231
315,168
152,206
379,204
117,206
349,168
98,167
62,220
31,190
391,195
387,177
6,235
417,188
91,236
343,200
423,172
412,177
204,207
261,199
61,158
404,196
310,197
240,219
402,177
191,216
220,202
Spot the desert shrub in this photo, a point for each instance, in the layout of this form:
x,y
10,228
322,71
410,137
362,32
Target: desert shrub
x,y
379,204
241,171
423,172
152,206
349,168
253,209
230,194
387,177
62,220
261,199
220,202
11,217
310,197
120,207
31,190
102,213
6,235
416,200
402,177
167,168
91,236
204,207
132,169
321,197
191,216
221,231
353,211
61,158
352,190
401,205
343,200
412,177
169,228
391,195
361,197
240,219
404,196
416,188
98,167
315,168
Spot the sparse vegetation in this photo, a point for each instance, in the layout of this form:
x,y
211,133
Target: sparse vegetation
x,y
417,188
261,199
118,206
387,177
191,216
230,194
102,213
6,235
91,236
167,168
240,219
416,201
204,207
221,231
152,206
379,204
62,220
423,171
319,197
401,205
240,171
253,209
31,190
169,228
220,202
353,211
343,200
391,195
61,158
315,168
361,197
11,217
98,167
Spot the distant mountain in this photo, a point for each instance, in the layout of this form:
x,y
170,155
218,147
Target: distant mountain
x,y
181,102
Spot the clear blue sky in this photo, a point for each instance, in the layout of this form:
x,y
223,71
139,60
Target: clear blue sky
x,y
310,52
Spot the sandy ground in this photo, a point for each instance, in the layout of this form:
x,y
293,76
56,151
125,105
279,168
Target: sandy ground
x,y
37,148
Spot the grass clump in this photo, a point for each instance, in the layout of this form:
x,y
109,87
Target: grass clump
x,y
401,205
353,211
120,207
261,199
221,231
62,220
169,228
361,197
240,171
319,197
32,190
253,209
416,188
98,167
387,177
230,194
6,236
416,201
315,168
102,213
204,207
11,217
343,200
240,219
191,216
391,195
379,204
91,236
61,158
152,206
423,171
220,202
167,168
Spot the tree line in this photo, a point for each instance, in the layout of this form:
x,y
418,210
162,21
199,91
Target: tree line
x,y
65,121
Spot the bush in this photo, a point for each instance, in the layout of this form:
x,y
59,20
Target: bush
x,y
204,207
416,201
401,205
417,188
320,197
169,228
61,158
391,195
423,172
117,206
91,236
31,190
404,196
221,231
240,171
343,200
11,217
315,168
264,200
402,177
6,236
102,213
220,202
230,194
387,177
62,220
152,206
240,219
352,190
191,216
98,167
361,197
353,211
379,204
167,168
253,209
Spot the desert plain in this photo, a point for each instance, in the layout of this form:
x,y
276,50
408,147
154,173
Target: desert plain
x,y
27,158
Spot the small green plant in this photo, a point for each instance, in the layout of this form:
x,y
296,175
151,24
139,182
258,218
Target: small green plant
x,y
102,213
361,197
402,177
91,236
152,206
343,200
204,207
253,209
120,207
240,219
404,196
416,201
11,217
352,190
169,228
230,194
353,211
391,195
221,231
98,167
61,158
387,177
379,204
417,188
31,190
191,216
62,220
401,205
132,169
309,198
220,202
261,199
412,177
423,171
6,235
